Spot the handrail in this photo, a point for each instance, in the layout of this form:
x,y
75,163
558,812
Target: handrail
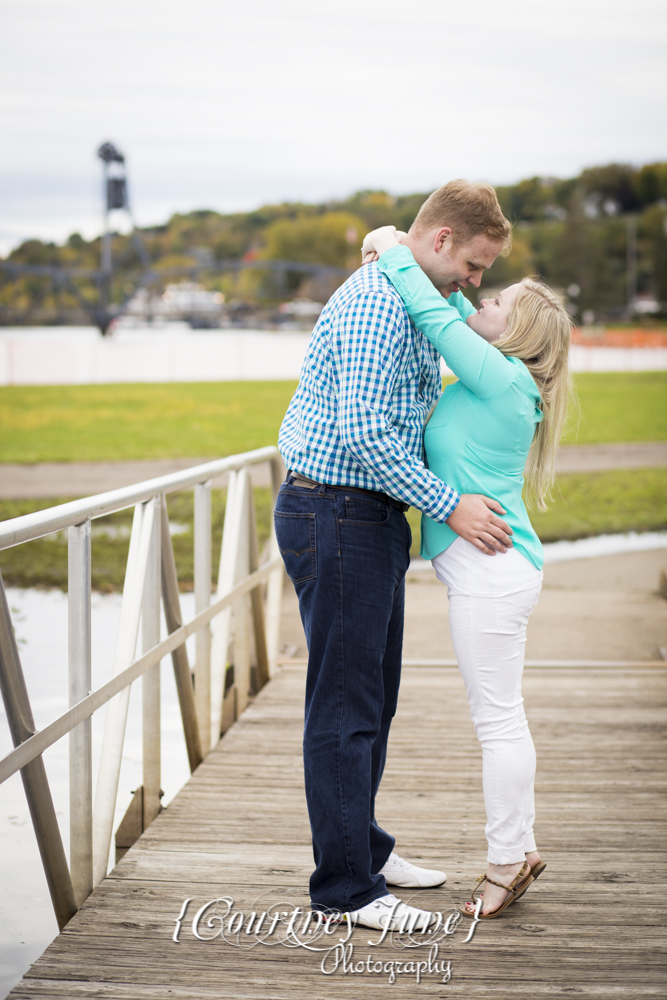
x,y
43,522
208,704
42,740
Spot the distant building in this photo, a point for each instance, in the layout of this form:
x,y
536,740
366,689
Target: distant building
x,y
301,308
183,301
645,304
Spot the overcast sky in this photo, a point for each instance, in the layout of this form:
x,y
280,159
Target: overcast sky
x,y
233,105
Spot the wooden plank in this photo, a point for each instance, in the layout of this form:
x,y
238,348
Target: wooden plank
x,y
593,925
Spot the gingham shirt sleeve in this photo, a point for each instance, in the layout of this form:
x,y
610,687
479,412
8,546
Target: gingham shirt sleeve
x,y
366,350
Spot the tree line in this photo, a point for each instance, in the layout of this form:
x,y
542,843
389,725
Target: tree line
x,y
602,234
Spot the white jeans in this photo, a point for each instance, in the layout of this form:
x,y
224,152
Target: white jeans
x,y
490,600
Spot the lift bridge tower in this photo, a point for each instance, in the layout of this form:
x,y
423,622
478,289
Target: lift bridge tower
x,y
115,198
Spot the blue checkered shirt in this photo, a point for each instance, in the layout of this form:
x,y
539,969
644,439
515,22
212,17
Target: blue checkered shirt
x,y
367,384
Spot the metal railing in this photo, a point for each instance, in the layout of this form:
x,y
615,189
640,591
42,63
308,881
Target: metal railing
x,y
236,613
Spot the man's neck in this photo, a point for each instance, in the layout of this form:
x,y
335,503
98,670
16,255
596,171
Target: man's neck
x,y
413,244
421,257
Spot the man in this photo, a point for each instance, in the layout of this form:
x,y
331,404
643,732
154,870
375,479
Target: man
x,y
352,442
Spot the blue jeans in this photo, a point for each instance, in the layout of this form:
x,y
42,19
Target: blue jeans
x,y
347,555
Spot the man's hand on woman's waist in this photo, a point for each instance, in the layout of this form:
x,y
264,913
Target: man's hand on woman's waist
x,y
474,519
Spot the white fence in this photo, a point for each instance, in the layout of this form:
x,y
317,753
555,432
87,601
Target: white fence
x,y
80,355
236,614
617,359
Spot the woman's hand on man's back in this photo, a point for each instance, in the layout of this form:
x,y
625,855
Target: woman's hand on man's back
x,y
379,240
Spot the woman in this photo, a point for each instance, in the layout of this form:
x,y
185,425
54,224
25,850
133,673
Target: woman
x,y
506,408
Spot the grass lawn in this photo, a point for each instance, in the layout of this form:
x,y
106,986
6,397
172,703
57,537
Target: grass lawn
x,y
102,423
589,504
599,503
117,422
620,406
43,563
95,423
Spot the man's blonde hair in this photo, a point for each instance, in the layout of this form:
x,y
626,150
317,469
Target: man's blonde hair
x,y
538,333
469,209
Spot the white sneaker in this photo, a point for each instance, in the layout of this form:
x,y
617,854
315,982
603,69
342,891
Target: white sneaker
x,y
389,913
407,876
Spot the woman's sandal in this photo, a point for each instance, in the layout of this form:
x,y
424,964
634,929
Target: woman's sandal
x,y
538,869
535,872
517,887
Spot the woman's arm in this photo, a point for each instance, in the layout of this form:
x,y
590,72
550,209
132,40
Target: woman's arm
x,y
386,237
482,368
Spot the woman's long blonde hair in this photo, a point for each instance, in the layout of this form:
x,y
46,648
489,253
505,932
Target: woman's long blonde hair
x,y
538,333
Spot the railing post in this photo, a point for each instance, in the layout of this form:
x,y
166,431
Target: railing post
x,y
35,782
257,598
202,601
274,588
240,615
80,684
179,658
150,627
222,623
114,726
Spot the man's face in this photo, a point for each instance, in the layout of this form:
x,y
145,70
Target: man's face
x,y
453,266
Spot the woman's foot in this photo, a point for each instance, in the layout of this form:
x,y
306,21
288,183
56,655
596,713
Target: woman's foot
x,y
537,866
494,896
533,859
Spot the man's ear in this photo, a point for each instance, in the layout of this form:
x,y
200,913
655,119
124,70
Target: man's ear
x,y
441,238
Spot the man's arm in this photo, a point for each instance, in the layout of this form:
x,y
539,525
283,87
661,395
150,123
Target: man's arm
x,y
474,518
367,348
367,345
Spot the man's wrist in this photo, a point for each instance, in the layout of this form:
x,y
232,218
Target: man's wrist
x,y
455,505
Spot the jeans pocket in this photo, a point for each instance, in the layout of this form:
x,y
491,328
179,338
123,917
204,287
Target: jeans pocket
x,y
361,510
298,547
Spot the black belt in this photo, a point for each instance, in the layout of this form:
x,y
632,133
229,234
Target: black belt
x,y
310,484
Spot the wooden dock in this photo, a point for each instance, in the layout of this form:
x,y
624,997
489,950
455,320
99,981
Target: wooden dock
x,y
594,924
